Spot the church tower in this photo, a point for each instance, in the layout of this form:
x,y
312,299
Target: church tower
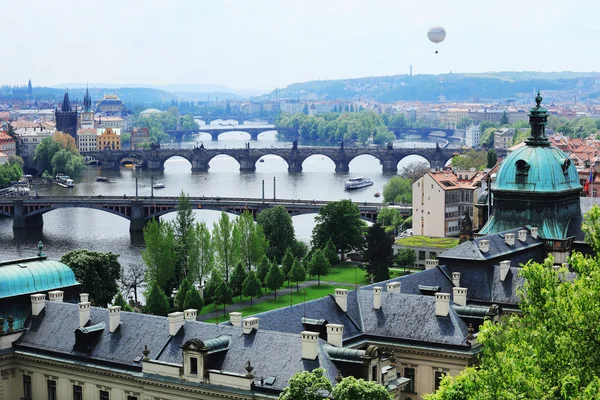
x,y
66,118
87,116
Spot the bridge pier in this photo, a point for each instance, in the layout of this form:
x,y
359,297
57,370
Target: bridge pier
x,y
342,166
20,221
294,165
247,164
155,165
137,221
389,165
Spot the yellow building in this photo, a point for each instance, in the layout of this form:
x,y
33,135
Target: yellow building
x,y
109,139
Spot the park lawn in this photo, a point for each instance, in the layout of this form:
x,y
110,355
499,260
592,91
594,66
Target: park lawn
x,y
236,300
283,300
345,273
425,241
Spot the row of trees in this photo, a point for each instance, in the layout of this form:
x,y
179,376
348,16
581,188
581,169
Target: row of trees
x,y
11,171
359,126
59,154
157,124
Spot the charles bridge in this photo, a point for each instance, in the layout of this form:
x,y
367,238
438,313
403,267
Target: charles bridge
x,y
27,212
200,157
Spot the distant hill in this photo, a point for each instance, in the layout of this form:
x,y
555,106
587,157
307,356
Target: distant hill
x,y
185,91
449,87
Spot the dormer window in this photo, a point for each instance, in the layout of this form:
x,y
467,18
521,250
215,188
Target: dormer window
x,y
522,171
193,366
565,166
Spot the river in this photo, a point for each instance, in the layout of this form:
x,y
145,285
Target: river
x,y
69,229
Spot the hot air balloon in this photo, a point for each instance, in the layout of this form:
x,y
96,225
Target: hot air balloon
x,y
436,34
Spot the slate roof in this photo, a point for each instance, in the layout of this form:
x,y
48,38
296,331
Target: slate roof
x,y
53,331
469,250
288,319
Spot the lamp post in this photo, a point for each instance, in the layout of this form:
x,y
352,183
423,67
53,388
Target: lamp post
x,y
274,196
136,188
152,186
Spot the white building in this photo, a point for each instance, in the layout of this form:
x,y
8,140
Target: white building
x,y
87,140
472,136
440,200
112,122
31,135
291,107
503,138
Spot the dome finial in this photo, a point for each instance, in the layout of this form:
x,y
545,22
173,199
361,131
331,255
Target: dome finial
x,y
538,99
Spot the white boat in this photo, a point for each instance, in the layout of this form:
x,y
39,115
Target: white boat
x,y
64,181
357,183
158,186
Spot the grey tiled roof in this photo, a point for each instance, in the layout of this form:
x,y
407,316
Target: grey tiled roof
x,y
273,354
469,250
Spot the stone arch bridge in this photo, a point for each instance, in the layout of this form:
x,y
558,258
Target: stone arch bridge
x,y
28,212
294,156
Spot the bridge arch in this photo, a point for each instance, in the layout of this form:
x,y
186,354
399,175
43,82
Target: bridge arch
x,y
222,162
269,161
124,211
411,159
234,134
267,135
370,160
176,158
317,163
163,160
125,157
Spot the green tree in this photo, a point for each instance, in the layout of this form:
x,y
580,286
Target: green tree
x,y
487,137
274,278
201,258
251,286
378,253
65,162
464,123
263,270
183,229
484,125
470,159
351,388
390,217
183,290
210,289
287,263
18,144
97,272
193,300
159,255
504,118
226,242
492,158
406,257
299,249
398,190
44,153
157,302
318,265
278,228
253,243
398,121
331,252
307,385
297,274
223,295
334,215
120,301
238,276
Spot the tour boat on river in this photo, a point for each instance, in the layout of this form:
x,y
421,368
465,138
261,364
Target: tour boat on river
x,y
64,181
158,186
357,183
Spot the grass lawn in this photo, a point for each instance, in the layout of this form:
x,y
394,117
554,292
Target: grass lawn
x,y
425,241
236,300
283,300
346,273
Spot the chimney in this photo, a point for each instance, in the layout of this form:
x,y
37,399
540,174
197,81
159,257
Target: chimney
x,y
394,287
484,245
38,302
56,295
460,295
565,265
249,324
376,297
190,314
456,279
534,232
341,298
84,298
504,268
334,334
442,304
175,322
431,263
114,318
522,235
84,313
509,239
236,319
309,345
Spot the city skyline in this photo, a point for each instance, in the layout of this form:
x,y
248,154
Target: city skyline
x,y
150,43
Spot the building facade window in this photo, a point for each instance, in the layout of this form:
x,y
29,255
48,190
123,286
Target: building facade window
x,y
439,375
409,373
77,392
104,395
132,398
51,385
27,387
193,366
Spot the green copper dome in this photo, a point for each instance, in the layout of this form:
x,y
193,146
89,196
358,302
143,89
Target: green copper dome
x,y
22,277
536,185
540,169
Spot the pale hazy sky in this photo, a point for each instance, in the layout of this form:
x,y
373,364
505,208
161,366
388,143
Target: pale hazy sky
x,y
261,44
